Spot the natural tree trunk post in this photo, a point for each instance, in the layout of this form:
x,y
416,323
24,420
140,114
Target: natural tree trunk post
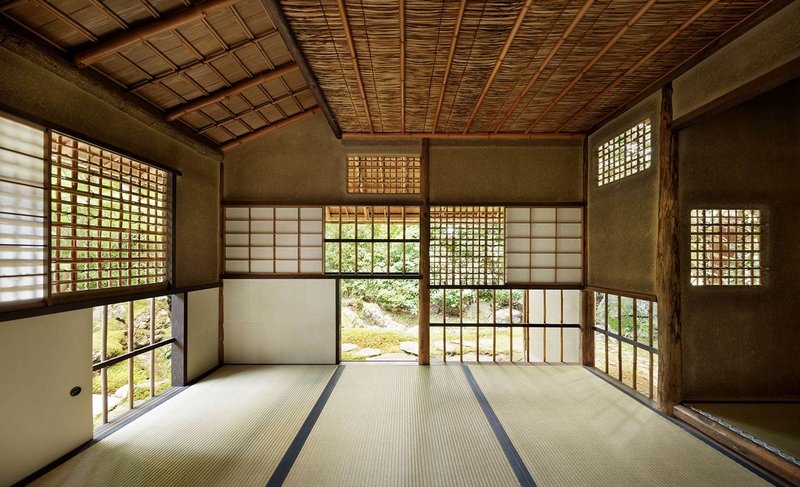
x,y
668,262
424,258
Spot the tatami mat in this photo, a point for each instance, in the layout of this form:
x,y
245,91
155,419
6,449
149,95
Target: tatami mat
x,y
398,426
572,428
230,429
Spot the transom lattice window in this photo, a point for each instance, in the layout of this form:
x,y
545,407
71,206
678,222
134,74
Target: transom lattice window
x,y
383,174
625,154
22,212
467,245
372,240
110,219
726,247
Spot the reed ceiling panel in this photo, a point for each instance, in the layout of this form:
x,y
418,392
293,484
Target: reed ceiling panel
x,y
195,70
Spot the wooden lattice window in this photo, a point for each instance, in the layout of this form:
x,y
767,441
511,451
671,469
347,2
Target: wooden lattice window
x,y
725,247
110,219
372,240
383,174
273,239
467,245
625,154
22,212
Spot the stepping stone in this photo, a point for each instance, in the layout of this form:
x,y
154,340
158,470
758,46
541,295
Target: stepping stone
x,y
349,347
410,347
368,352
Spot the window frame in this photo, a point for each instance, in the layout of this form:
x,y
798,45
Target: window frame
x,y
414,167
609,176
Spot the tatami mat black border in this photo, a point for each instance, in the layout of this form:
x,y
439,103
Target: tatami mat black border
x,y
287,462
520,470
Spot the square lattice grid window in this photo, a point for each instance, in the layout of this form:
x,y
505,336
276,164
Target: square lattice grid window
x,y
625,154
725,247
383,174
467,245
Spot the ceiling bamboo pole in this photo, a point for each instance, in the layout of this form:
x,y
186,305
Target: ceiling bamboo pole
x,y
468,136
234,89
145,31
354,58
578,17
269,128
685,25
453,41
602,52
402,8
503,52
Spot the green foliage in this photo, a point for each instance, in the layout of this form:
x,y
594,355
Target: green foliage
x,y
388,341
398,295
623,307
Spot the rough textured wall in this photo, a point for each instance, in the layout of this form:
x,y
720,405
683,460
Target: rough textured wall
x,y
766,46
623,215
304,163
29,89
742,342
506,171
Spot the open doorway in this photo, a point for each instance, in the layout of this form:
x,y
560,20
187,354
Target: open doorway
x,y
378,319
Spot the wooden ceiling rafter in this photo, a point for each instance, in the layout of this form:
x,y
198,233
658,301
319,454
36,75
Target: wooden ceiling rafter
x,y
143,32
232,90
500,58
460,136
597,57
514,104
256,107
450,55
269,128
685,25
402,21
354,59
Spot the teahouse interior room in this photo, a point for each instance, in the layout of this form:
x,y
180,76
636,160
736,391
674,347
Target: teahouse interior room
x,y
399,242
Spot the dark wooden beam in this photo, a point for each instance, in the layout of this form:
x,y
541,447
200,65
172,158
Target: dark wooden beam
x,y
234,89
180,332
299,58
763,13
149,29
588,302
269,128
668,277
469,136
424,311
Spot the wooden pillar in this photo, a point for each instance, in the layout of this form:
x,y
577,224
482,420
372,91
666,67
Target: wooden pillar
x,y
424,312
668,262
587,297
180,317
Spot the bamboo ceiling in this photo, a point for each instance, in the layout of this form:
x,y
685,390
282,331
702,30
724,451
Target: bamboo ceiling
x,y
390,68
219,67
498,66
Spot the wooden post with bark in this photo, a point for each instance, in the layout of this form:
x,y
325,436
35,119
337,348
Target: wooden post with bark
x,y
424,258
668,262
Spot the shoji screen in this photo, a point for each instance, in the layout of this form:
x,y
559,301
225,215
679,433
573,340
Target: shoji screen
x,y
22,212
273,240
544,245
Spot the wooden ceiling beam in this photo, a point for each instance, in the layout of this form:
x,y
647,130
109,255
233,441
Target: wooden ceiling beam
x,y
453,41
469,136
685,25
145,31
602,52
503,52
402,8
269,128
234,89
578,17
290,41
354,58
253,109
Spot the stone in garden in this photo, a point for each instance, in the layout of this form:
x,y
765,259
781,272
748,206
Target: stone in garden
x,y
391,356
350,319
502,316
368,352
349,347
410,347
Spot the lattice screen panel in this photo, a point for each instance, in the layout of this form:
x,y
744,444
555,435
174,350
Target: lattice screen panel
x,y
383,174
466,245
22,219
544,245
110,219
725,247
273,240
625,154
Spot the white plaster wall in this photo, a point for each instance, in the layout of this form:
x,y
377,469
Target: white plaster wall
x,y
280,321
41,359
203,331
